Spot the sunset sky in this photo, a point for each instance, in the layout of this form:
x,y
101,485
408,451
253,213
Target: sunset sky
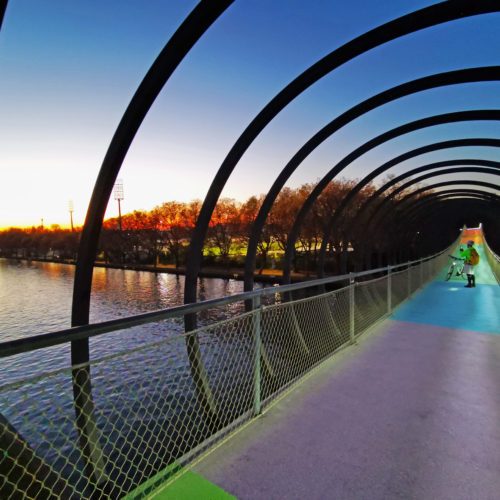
x,y
68,70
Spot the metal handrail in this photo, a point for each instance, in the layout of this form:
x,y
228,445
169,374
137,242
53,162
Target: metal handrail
x,y
247,361
495,260
50,339
492,253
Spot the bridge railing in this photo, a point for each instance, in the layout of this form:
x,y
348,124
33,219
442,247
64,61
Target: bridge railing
x,y
150,419
493,260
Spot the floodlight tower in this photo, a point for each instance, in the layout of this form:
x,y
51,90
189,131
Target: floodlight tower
x,y
119,197
71,210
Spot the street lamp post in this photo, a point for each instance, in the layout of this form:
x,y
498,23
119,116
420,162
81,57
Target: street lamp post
x,y
71,209
118,192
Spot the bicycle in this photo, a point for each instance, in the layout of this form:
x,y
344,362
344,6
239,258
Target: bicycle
x,y
456,268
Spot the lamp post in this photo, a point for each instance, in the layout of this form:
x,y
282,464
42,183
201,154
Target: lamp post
x,y
71,209
118,192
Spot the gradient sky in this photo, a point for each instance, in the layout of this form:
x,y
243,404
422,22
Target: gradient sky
x,y
68,70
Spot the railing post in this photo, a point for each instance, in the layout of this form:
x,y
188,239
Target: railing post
x,y
352,305
257,310
421,273
409,279
389,290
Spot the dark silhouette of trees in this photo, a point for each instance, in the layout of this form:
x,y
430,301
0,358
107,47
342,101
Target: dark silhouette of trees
x,y
161,236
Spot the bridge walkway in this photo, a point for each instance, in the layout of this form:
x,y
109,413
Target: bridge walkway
x,y
411,412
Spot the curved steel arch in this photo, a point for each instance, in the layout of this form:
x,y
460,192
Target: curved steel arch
x,y
3,8
373,228
376,196
401,202
416,218
487,73
188,33
412,204
181,42
406,228
493,170
354,191
447,163
452,194
380,139
406,202
410,212
410,23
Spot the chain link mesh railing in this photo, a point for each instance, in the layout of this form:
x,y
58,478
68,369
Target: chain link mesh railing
x,y
148,416
493,260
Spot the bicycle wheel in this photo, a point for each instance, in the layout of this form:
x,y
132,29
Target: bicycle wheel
x,y
462,274
450,272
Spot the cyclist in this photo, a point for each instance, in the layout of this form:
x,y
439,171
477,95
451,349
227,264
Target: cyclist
x,y
467,255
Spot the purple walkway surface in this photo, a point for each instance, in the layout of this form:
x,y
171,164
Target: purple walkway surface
x,y
413,412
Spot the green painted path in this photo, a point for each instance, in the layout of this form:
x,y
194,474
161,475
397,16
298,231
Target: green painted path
x,y
191,486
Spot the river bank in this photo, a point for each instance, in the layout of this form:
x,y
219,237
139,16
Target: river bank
x,y
268,276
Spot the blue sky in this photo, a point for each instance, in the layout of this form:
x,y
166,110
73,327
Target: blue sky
x,y
69,69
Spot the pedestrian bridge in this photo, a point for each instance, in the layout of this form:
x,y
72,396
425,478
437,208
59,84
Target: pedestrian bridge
x,y
379,384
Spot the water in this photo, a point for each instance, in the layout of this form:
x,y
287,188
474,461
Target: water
x,y
35,297
142,384
140,376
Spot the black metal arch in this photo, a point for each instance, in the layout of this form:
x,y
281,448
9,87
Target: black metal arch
x,y
458,195
429,16
447,163
413,222
3,8
366,180
380,139
407,201
488,73
376,220
488,142
404,200
381,209
429,198
424,218
441,195
416,219
360,215
189,32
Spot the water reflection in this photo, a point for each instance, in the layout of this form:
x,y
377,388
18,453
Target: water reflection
x,y
149,382
35,297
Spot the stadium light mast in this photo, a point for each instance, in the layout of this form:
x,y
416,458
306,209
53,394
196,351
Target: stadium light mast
x,y
118,191
71,210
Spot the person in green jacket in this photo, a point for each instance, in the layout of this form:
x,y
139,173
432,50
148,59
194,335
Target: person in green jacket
x,y
466,254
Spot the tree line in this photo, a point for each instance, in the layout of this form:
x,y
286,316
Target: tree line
x,y
161,236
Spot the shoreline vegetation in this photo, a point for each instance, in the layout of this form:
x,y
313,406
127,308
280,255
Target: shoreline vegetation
x,y
157,240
